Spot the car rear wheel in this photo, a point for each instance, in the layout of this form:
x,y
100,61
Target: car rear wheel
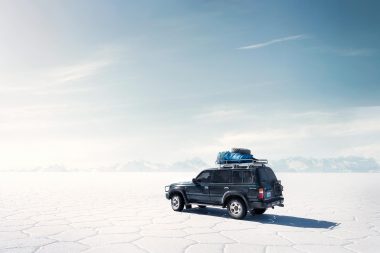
x,y
257,211
236,208
177,202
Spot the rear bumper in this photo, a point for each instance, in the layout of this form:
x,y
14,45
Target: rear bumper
x,y
279,201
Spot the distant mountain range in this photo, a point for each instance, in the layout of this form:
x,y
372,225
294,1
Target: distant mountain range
x,y
187,165
194,164
294,164
339,164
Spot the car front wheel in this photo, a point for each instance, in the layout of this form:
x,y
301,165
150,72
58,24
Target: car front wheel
x,y
177,202
236,208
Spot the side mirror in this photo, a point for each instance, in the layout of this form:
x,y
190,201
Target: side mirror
x,y
195,181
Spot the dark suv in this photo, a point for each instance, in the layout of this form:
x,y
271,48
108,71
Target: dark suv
x,y
254,188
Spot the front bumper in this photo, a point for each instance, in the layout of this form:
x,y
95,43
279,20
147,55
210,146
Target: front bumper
x,y
167,189
269,203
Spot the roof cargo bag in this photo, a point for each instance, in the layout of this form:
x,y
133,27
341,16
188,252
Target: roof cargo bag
x,y
228,157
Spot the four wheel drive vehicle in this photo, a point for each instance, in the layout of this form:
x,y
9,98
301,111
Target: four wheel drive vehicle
x,y
253,187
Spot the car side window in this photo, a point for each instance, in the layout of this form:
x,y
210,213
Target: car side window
x,y
204,177
221,176
242,177
237,177
247,177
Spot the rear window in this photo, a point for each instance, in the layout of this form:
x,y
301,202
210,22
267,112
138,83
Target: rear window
x,y
266,174
221,176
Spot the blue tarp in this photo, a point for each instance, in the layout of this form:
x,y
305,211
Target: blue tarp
x,y
230,157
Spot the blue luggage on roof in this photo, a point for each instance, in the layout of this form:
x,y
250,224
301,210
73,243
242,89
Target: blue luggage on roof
x,y
233,157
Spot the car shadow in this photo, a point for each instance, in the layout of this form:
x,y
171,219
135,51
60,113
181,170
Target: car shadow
x,y
282,220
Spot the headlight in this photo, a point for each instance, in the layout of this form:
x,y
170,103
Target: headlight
x,y
167,188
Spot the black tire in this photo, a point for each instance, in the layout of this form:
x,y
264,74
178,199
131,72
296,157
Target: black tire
x,y
257,211
177,202
201,206
241,151
236,208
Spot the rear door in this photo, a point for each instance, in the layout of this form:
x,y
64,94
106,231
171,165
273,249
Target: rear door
x,y
269,182
220,183
244,181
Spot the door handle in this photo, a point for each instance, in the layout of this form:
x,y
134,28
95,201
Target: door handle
x,y
226,188
206,187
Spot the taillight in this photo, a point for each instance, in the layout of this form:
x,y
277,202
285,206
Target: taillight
x,y
261,193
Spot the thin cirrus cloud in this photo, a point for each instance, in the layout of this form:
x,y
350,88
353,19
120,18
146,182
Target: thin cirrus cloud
x,y
274,41
355,52
42,80
51,77
220,114
78,71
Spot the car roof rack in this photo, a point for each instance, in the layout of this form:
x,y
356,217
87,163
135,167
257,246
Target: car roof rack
x,y
242,164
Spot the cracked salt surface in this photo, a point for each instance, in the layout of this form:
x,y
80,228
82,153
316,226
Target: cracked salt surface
x,y
127,212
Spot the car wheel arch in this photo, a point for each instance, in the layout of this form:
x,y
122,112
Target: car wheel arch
x,y
230,195
178,191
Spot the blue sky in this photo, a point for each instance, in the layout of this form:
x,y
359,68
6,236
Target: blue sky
x,y
91,83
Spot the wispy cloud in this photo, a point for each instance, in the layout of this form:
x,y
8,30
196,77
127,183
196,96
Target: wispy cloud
x,y
355,52
78,71
61,78
284,133
274,41
345,128
347,51
43,80
220,114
